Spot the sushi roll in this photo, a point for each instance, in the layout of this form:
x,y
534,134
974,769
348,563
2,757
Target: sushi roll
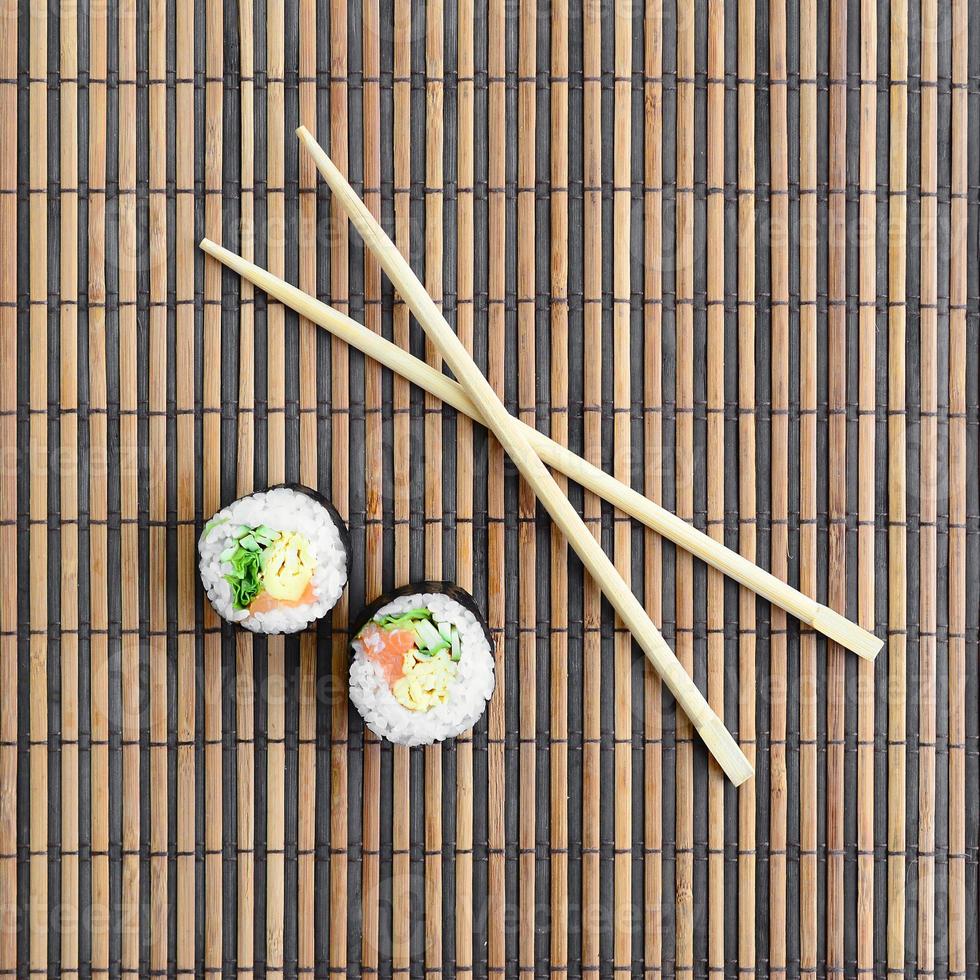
x,y
276,561
422,666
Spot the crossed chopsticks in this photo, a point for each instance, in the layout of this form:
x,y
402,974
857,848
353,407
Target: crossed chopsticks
x,y
529,451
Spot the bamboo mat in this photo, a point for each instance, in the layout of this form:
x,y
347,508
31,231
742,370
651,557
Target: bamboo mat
x,y
727,250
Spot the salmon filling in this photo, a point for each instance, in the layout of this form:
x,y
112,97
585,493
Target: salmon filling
x,y
266,602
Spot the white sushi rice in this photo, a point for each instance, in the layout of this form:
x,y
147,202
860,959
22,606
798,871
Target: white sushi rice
x,y
282,509
468,694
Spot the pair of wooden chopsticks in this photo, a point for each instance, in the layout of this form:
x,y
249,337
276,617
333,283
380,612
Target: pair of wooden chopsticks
x,y
475,397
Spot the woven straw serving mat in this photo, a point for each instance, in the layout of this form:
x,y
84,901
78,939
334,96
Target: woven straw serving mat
x,y
726,249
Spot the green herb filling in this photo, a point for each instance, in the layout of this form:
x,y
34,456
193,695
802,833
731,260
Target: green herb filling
x,y
246,558
430,637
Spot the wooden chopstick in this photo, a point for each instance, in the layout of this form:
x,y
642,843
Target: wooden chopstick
x,y
832,624
517,445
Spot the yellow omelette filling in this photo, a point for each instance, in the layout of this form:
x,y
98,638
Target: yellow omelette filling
x,y
287,566
425,680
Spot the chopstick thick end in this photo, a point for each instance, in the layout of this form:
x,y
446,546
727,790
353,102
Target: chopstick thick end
x,y
841,630
722,745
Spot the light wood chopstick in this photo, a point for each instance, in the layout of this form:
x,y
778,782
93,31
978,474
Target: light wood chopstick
x,y
513,439
821,618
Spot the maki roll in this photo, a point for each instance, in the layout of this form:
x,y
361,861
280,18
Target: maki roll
x,y
422,667
275,562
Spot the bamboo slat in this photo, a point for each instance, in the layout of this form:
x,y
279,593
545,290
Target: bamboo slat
x,y
9,397
340,475
715,408
68,495
958,490
98,506
558,919
837,483
373,476
622,466
213,675
129,492
309,475
684,887
927,423
433,455
809,799
307,686
275,420
159,360
307,786
779,230
245,456
245,687
867,329
527,504
897,488
401,151
465,458
653,441
497,136
38,487
591,423
747,498
184,499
